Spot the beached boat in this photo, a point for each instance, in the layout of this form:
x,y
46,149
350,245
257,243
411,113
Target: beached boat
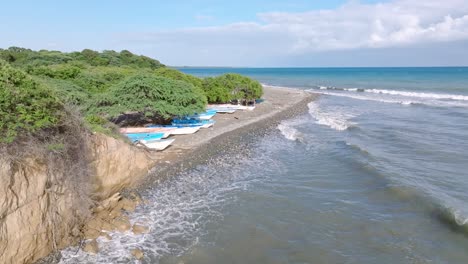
x,y
178,130
146,136
186,122
204,116
126,130
224,110
231,106
159,144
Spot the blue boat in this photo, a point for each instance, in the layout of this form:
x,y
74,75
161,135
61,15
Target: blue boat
x,y
203,116
145,136
190,122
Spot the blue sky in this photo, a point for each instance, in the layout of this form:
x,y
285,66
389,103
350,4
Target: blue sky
x,y
249,33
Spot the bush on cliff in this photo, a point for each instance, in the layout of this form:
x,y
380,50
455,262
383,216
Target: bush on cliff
x,y
227,87
147,98
26,106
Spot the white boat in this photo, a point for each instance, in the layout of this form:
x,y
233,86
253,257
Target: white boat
x,y
203,116
160,144
219,107
127,130
206,116
184,130
224,110
175,130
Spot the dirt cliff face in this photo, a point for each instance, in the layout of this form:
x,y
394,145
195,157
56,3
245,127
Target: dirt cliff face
x,y
117,165
39,206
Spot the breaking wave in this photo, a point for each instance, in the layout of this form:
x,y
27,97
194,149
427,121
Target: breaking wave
x,y
336,119
290,132
396,97
438,96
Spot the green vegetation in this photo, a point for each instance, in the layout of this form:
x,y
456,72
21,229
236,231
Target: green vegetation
x,y
148,99
41,89
178,75
25,105
228,87
28,58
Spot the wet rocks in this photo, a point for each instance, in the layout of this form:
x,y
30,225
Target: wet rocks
x,y
137,253
122,223
139,229
91,247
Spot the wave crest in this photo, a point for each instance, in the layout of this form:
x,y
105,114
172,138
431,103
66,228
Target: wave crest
x,y
396,97
335,120
289,132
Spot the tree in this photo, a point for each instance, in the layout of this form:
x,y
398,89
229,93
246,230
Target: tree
x,y
147,98
178,75
230,86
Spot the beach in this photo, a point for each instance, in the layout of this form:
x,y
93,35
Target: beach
x,y
354,175
188,150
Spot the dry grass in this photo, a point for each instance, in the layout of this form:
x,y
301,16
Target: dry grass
x,y
64,152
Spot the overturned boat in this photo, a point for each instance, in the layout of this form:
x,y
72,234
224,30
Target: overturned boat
x,y
159,144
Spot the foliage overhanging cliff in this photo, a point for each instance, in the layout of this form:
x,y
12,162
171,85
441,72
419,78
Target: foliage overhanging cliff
x,y
103,87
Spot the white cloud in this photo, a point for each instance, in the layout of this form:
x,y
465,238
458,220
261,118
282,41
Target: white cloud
x,y
352,26
356,25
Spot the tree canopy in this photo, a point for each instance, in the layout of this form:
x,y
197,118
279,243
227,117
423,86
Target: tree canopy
x,y
25,57
230,86
104,86
25,105
148,98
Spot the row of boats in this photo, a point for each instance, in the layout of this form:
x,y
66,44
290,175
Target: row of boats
x,y
156,136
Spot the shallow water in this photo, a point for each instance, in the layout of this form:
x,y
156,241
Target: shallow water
x,y
365,176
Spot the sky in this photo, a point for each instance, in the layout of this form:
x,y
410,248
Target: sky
x,y
249,33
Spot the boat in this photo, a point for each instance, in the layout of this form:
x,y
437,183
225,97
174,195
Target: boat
x,y
231,106
204,116
146,136
188,122
224,110
127,130
179,130
159,144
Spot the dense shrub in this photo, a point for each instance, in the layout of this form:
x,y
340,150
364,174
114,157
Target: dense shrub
x,y
227,87
148,98
25,57
60,71
67,91
178,75
25,105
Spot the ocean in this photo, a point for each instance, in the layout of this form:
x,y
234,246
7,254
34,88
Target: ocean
x,y
375,172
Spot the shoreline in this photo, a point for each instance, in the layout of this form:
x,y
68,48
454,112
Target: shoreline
x,y
190,150
230,133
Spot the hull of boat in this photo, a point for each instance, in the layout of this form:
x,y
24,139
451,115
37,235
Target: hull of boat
x,y
127,130
157,144
225,110
205,117
199,123
184,130
179,130
146,136
221,107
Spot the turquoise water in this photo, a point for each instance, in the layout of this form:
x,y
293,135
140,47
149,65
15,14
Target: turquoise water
x,y
375,172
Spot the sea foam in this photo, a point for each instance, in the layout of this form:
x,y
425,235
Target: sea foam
x,y
289,132
336,119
